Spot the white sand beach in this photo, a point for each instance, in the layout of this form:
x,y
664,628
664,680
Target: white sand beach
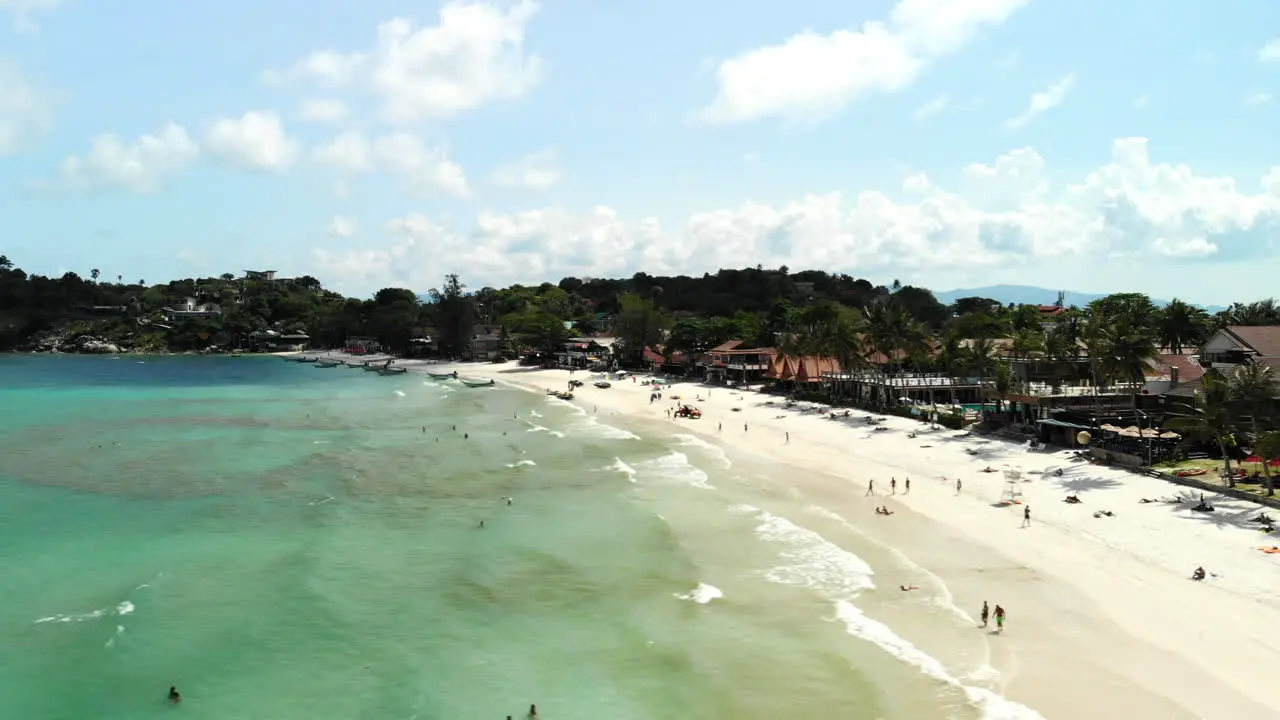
x,y
1104,619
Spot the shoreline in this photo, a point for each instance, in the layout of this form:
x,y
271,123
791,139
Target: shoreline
x,y
1105,601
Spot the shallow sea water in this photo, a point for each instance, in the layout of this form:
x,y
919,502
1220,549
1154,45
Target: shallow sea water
x,y
282,541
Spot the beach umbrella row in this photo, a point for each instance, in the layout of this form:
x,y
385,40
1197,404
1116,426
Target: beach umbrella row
x,y
1135,432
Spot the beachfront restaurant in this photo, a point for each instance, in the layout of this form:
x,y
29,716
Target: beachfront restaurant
x,y
1129,437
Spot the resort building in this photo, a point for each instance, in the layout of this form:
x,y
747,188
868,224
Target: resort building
x,y
736,361
191,308
1237,345
266,275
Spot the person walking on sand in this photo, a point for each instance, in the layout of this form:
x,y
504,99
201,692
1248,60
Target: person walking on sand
x,y
871,487
986,613
744,427
999,619
1026,516
958,486
788,442
719,426
893,486
908,489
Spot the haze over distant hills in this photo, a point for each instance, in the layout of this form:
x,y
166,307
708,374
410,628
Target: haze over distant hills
x,y
1031,295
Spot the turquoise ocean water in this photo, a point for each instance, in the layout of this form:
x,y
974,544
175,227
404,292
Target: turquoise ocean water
x,y
281,542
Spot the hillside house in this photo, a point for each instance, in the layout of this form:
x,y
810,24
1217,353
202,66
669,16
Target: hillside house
x,y
191,308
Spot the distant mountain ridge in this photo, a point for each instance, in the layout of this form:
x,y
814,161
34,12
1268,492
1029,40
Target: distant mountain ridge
x,y
1031,295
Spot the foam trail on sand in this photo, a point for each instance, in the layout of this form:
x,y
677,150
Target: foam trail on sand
x,y
539,428
943,599
702,594
674,466
990,704
620,466
522,463
695,441
840,576
595,428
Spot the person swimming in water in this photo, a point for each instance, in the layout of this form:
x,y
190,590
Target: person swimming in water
x,y
174,695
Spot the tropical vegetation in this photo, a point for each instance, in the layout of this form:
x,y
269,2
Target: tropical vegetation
x,y
866,328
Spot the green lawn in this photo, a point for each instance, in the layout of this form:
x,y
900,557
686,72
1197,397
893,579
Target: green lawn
x,y
1214,476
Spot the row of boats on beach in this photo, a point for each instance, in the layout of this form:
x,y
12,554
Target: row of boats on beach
x,y
382,366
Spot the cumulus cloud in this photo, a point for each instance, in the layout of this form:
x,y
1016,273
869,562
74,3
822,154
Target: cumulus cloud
x,y
536,171
23,10
1043,101
24,112
473,55
1270,52
810,76
142,166
341,227
324,111
423,170
254,141
1007,214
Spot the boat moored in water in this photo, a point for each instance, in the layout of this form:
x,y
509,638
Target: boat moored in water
x,y
477,383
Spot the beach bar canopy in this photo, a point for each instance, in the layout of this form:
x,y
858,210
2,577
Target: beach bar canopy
x,y
1064,424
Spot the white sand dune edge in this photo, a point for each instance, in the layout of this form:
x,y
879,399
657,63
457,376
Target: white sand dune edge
x,y
1110,597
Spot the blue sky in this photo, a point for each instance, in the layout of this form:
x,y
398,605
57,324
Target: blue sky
x,y
1096,147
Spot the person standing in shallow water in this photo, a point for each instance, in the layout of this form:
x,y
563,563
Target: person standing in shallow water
x,y
986,613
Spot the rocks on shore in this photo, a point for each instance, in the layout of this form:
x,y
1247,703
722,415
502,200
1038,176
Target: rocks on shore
x,y
60,343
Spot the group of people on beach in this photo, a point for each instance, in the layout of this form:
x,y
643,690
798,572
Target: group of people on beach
x,y
986,616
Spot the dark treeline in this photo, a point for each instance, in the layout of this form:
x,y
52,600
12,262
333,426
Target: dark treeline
x,y
683,313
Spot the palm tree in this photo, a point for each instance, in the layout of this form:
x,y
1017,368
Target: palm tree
x,y
951,357
1252,391
94,273
1180,325
1209,418
1129,352
981,358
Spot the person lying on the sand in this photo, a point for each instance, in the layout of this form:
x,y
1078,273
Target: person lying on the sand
x,y
988,469
1072,500
1104,513
1263,518
1198,574
1203,506
908,588
911,435
883,511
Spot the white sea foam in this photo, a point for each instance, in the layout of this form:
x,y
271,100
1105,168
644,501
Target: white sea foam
x,y
521,463
840,575
400,393
539,428
674,466
702,594
620,466
812,561
535,413
943,599
595,428
990,704
695,441
112,640
124,608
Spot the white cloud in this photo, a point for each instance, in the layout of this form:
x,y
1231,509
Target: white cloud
x,y
425,170
22,10
933,107
326,111
1270,52
341,227
349,152
142,166
474,55
255,141
24,113
536,171
1255,99
1007,217
811,76
1043,101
